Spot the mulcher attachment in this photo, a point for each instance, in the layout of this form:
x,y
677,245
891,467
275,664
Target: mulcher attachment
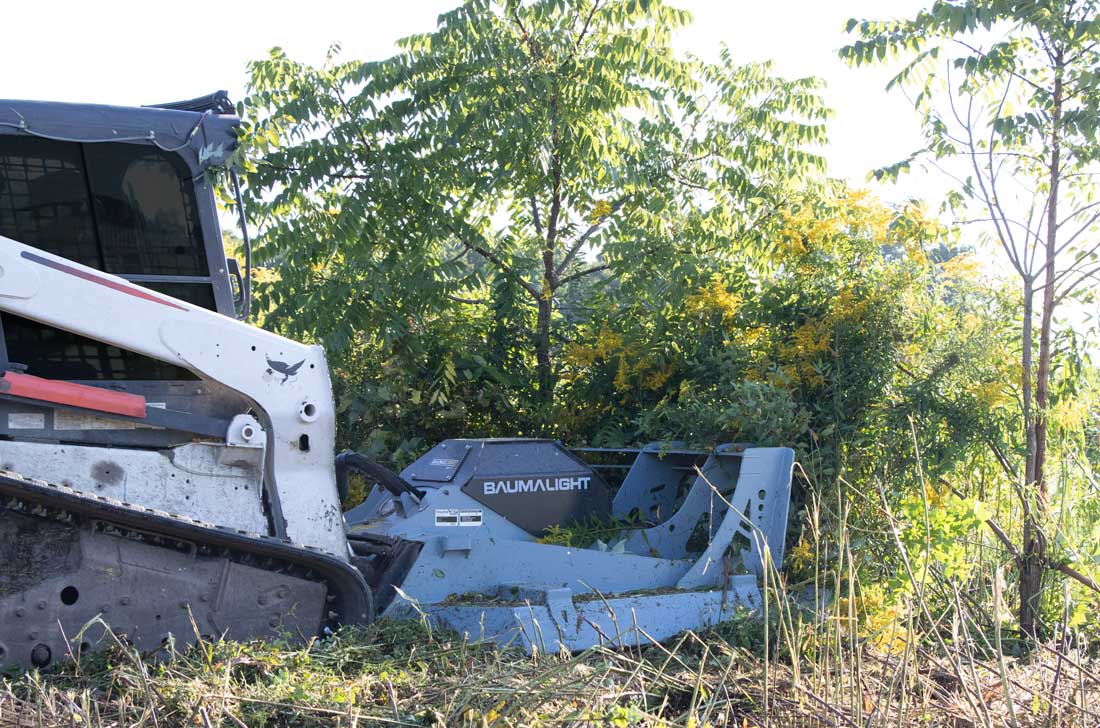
x,y
699,538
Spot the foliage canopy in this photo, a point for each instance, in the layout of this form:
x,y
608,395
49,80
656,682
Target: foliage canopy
x,y
518,153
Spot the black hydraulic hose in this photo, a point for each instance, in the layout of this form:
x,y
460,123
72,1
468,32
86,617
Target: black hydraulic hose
x,y
246,279
374,473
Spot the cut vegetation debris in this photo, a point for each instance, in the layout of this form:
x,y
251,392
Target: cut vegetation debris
x,y
400,674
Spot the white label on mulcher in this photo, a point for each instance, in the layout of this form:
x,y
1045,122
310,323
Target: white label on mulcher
x,y
447,517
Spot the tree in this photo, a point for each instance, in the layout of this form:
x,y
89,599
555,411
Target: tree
x,y
828,345
521,147
1006,90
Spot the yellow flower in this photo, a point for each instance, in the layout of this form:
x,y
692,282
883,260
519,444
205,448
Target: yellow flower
x,y
990,394
802,555
875,618
714,299
751,336
847,306
608,344
961,266
656,378
579,355
808,339
1071,413
600,210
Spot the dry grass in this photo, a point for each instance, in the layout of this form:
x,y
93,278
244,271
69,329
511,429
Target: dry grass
x,y
938,652
399,674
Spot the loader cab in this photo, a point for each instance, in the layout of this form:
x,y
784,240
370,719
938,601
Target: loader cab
x,y
128,191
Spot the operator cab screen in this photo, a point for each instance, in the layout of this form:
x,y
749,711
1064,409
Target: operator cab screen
x,y
125,209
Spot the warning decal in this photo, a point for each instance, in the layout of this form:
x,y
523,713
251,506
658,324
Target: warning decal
x,y
458,517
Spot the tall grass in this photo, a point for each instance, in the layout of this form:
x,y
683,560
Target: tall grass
x,y
821,652
395,674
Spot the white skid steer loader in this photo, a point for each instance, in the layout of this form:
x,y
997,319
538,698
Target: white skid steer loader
x,y
164,464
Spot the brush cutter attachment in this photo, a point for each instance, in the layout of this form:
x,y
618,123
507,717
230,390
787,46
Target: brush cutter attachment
x,y
501,531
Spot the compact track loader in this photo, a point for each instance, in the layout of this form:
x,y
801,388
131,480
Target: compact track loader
x,y
166,469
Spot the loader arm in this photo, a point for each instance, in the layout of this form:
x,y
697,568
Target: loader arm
x,y
286,382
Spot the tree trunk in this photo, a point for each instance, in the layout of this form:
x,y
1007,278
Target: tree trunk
x,y
542,355
1028,588
549,278
1033,554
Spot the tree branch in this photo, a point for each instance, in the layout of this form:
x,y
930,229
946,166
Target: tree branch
x,y
615,207
1004,234
351,118
470,301
535,215
465,251
993,526
1091,221
583,273
292,168
1014,74
584,32
1061,567
1006,466
1070,288
550,277
532,48
498,262
1074,574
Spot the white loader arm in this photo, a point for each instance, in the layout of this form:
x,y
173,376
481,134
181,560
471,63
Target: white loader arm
x,y
287,382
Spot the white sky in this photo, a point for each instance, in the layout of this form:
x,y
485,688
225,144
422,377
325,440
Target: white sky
x,y
135,52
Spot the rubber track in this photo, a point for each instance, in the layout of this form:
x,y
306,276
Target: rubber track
x,y
350,599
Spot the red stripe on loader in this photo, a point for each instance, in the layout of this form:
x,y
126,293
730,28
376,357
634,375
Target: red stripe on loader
x,y
73,395
92,278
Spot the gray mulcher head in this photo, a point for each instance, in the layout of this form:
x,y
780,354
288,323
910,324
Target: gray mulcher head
x,y
697,532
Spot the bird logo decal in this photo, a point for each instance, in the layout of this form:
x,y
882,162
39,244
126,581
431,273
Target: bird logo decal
x,y
287,370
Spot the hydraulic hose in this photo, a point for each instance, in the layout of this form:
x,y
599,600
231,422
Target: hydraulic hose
x,y
349,461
